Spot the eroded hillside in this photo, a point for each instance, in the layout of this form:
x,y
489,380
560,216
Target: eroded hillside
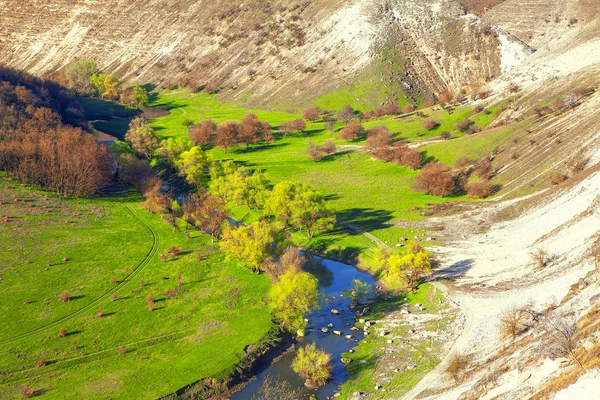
x,y
260,52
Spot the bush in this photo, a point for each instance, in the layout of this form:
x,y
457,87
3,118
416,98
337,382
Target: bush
x,y
65,297
346,114
462,163
62,332
41,363
483,167
122,350
540,258
313,365
457,366
409,108
464,125
27,392
314,153
377,138
558,178
429,124
512,322
481,188
328,147
436,179
99,313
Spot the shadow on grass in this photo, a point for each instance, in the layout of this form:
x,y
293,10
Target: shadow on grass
x,y
73,333
78,297
257,148
335,156
368,219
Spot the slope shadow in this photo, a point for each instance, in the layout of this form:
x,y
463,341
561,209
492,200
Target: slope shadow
x,y
454,271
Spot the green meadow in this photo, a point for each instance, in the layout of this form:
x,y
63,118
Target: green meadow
x,y
100,250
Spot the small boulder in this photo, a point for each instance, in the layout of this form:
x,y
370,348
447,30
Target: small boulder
x,y
339,333
324,330
335,312
348,337
330,325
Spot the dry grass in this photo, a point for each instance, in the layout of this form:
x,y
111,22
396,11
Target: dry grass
x,y
457,366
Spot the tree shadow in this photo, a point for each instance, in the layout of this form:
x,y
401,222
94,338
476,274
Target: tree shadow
x,y
454,271
78,297
108,314
73,333
257,148
321,272
368,219
335,156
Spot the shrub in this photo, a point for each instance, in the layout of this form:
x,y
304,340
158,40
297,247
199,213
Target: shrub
x,y
27,391
114,281
328,147
464,125
462,163
411,158
457,366
429,124
445,135
352,131
62,332
435,179
115,297
41,363
557,178
275,389
481,188
99,313
512,322
314,153
540,258
513,88
142,283
446,96
65,297
174,251
314,365
377,138
65,259
483,168
571,100
187,123
409,108
122,350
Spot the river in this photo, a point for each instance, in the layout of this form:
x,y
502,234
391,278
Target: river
x,y
334,277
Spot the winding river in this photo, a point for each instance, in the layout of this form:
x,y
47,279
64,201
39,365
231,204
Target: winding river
x,y
334,277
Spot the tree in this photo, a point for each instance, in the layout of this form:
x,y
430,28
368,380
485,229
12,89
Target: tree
x,y
142,137
314,153
561,339
435,179
227,135
251,244
313,365
404,270
300,206
275,389
297,125
409,108
192,165
540,257
203,133
107,86
377,138
352,131
291,297
172,148
138,96
79,76
359,292
265,132
134,171
430,123
248,130
206,212
346,114
512,322
312,114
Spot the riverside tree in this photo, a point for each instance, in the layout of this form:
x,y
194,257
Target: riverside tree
x,y
301,207
142,137
192,165
251,244
404,270
314,365
291,297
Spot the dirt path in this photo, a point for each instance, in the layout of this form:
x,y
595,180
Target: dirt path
x,y
135,272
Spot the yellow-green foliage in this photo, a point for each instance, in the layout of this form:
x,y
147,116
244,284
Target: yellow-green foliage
x,y
251,244
292,296
313,365
402,270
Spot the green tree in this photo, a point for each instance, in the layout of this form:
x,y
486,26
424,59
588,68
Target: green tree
x,y
142,137
313,364
310,212
251,244
172,148
293,296
79,76
359,292
192,165
404,270
139,96
107,86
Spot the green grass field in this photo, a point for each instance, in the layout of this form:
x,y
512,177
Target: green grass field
x,y
207,327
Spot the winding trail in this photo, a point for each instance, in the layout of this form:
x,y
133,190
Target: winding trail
x,y
135,272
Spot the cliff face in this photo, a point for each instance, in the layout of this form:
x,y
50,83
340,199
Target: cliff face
x,y
254,50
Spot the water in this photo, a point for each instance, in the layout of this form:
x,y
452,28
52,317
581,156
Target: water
x,y
334,278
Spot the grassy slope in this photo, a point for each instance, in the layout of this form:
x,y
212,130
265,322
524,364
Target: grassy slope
x,y
368,192
208,326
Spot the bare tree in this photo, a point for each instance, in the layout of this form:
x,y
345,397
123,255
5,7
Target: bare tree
x,y
227,135
560,337
540,257
203,134
275,389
